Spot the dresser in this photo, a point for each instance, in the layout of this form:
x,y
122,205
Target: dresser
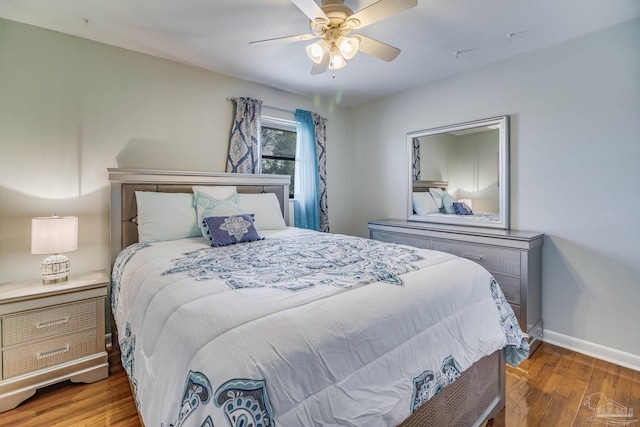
x,y
513,258
51,333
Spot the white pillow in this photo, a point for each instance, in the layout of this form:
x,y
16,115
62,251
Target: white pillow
x,y
165,216
437,194
423,203
266,208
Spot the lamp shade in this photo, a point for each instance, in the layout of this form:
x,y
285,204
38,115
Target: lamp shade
x,y
316,51
54,235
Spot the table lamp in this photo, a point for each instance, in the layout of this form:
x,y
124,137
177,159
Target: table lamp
x,y
54,235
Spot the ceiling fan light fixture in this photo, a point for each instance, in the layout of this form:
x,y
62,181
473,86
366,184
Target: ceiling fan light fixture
x,y
348,46
317,50
336,60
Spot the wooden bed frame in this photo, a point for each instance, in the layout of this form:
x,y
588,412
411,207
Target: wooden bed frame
x,y
475,397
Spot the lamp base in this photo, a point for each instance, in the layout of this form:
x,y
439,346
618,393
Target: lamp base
x,y
55,269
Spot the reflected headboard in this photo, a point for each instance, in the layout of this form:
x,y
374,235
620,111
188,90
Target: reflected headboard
x,y
125,182
421,186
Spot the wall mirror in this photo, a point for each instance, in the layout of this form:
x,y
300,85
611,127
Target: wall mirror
x,y
459,174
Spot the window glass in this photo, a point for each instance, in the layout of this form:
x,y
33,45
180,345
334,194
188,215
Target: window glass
x,y
279,140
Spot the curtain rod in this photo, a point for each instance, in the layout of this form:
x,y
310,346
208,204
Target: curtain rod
x,y
269,106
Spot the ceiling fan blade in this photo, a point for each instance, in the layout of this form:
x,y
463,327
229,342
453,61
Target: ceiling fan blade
x,y
377,11
378,49
322,66
288,39
312,10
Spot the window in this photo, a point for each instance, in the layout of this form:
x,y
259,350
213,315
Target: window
x,y
279,140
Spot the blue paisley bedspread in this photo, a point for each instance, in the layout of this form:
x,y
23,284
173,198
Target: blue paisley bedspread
x,y
301,329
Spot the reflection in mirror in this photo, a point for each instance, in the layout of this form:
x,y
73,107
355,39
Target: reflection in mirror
x,y
459,174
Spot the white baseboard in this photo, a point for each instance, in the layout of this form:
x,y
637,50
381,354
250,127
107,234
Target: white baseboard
x,y
107,340
609,354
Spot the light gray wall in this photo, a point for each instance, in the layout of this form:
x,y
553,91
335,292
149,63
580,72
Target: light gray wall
x,y
70,108
575,169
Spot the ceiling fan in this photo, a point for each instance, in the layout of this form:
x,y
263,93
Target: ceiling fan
x,y
332,22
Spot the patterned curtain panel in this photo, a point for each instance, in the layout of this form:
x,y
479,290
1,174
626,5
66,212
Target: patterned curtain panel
x,y
320,127
416,159
244,146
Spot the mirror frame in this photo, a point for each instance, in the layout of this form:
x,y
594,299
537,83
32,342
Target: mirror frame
x,y
503,173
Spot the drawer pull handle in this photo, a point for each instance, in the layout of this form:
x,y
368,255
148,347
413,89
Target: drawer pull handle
x,y
52,323
472,257
52,353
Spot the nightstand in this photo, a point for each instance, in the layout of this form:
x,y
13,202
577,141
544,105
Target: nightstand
x,y
51,333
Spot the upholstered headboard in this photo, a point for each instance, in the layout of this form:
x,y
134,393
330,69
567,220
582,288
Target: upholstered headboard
x,y
125,182
421,186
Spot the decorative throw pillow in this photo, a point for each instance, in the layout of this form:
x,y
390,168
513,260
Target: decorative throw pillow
x,y
229,230
461,208
207,206
216,191
447,203
437,194
423,203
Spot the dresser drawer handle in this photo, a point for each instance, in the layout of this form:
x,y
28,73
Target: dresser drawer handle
x,y
472,257
52,353
52,323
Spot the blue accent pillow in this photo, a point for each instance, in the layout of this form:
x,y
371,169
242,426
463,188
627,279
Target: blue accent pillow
x,y
207,206
462,208
447,203
229,230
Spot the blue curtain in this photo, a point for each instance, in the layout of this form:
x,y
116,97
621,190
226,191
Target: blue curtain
x,y
244,146
307,191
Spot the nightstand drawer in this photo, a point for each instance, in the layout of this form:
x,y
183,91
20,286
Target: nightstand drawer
x,y
43,354
493,259
32,325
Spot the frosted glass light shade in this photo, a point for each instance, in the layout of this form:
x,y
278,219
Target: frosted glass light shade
x,y
348,46
54,235
316,51
336,60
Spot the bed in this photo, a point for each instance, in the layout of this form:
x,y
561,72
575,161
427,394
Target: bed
x,y
424,188
207,340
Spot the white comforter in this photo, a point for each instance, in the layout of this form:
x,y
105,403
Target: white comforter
x,y
222,338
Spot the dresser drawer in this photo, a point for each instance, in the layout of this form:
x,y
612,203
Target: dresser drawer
x,y
510,287
31,357
493,259
402,239
37,324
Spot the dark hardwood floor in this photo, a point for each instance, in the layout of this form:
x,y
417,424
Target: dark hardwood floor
x,y
549,389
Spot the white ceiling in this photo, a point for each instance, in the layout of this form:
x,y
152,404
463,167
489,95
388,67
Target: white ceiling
x,y
215,35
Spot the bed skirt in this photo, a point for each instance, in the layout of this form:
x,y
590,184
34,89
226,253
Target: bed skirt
x,y
477,396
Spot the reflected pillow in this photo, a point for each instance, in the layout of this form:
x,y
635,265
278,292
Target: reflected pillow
x,y
423,203
207,206
437,193
229,230
461,208
165,216
447,203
